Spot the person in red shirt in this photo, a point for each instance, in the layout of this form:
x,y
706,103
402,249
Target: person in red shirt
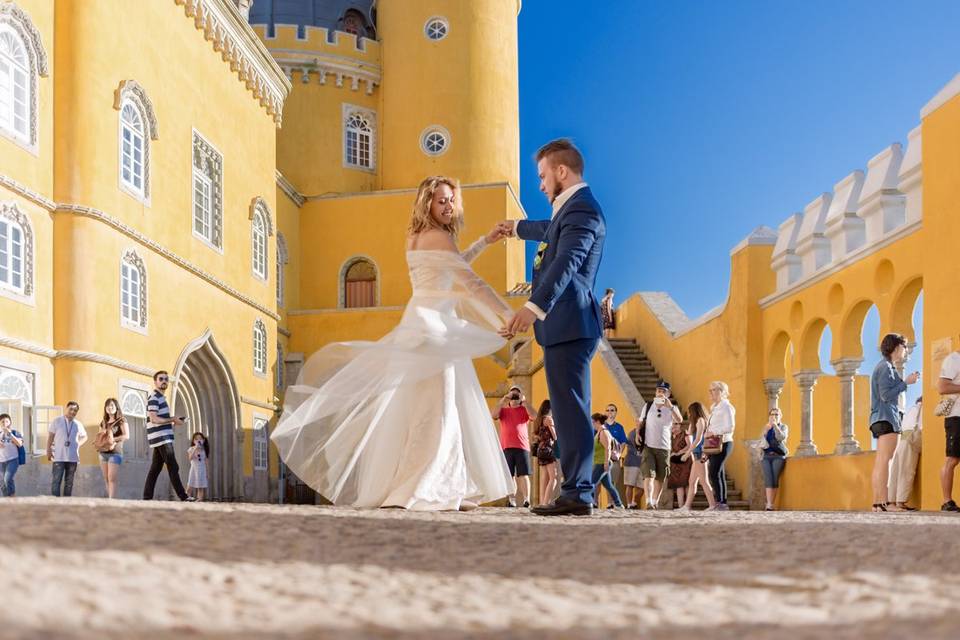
x,y
514,415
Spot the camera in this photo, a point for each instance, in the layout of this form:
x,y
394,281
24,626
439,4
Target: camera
x,y
514,396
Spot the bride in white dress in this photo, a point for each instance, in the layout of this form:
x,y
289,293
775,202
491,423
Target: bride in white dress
x,y
402,422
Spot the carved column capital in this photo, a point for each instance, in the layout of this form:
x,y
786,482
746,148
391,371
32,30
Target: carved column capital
x,y
846,367
807,378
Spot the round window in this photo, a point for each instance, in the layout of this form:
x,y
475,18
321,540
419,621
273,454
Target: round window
x,y
434,141
436,28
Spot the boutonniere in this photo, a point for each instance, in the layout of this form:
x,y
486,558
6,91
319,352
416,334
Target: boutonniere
x,y
537,260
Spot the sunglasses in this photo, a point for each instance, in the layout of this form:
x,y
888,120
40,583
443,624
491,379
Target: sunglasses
x,y
163,379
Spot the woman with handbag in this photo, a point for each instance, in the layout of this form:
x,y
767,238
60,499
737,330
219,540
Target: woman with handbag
x,y
12,455
886,385
109,443
774,445
698,472
546,460
719,442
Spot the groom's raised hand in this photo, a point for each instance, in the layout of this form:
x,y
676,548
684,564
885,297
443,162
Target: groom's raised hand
x,y
507,228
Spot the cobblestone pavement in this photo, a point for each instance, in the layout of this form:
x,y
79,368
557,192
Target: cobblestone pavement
x,y
84,568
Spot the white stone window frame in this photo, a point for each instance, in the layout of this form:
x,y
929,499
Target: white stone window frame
x,y
282,259
259,348
206,164
136,448
278,372
342,281
15,20
261,443
130,93
432,27
432,130
260,214
132,261
348,111
10,212
27,376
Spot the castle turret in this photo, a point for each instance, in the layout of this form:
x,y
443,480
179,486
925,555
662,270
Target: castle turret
x,y
450,91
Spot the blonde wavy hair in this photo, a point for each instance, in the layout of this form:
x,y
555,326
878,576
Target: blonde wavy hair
x,y
422,220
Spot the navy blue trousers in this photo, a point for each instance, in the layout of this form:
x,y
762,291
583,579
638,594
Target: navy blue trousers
x,y
568,382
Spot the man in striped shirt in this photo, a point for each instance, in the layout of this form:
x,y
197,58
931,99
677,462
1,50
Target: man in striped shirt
x,y
160,438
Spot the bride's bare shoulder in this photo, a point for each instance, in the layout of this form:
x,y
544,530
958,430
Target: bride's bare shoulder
x,y
431,240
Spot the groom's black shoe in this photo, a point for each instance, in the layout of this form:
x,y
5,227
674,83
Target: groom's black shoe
x,y
564,507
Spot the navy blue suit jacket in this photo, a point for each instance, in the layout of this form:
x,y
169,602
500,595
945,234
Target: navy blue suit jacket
x,y
563,285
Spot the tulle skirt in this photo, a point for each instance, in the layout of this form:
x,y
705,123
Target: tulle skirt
x,y
402,421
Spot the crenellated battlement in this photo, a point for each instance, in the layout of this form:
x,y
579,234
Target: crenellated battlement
x,y
321,55
864,211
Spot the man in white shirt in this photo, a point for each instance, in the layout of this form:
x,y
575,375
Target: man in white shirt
x,y
65,436
903,466
657,420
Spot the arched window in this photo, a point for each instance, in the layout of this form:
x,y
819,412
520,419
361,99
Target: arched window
x,y
261,444
259,347
16,251
358,138
133,403
259,246
132,143
207,193
360,284
22,61
138,126
281,261
133,291
15,98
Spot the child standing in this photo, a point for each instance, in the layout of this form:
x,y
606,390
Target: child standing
x,y
198,454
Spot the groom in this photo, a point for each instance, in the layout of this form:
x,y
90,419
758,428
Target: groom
x,y
567,315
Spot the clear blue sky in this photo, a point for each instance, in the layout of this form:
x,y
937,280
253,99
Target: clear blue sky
x,y
702,120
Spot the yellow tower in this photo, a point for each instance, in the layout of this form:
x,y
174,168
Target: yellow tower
x,y
450,91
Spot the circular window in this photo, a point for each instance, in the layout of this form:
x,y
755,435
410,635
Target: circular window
x,y
436,28
434,141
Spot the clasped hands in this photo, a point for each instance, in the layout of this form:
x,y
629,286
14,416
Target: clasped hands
x,y
524,317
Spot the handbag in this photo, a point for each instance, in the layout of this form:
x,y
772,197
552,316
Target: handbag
x,y
104,442
945,406
712,444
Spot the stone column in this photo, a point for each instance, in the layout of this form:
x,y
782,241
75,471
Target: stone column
x,y
773,387
806,380
846,369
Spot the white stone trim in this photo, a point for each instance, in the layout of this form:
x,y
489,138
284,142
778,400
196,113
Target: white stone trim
x,y
259,352
325,64
289,190
259,203
391,192
131,91
620,375
861,253
948,92
259,209
265,441
132,233
761,236
238,44
257,403
19,21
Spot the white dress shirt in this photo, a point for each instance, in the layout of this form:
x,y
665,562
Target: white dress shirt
x,y
558,203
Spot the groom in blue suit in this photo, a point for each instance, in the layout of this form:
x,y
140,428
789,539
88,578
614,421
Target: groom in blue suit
x,y
564,312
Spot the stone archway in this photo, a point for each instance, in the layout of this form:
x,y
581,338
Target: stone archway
x,y
206,392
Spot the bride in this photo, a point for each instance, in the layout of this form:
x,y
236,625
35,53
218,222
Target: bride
x,y
402,422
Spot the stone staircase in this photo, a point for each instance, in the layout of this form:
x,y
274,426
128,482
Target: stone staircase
x,y
645,378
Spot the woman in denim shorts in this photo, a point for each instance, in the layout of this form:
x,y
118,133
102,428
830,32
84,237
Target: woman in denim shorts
x,y
110,461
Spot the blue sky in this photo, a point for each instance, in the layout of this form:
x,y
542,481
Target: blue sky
x,y
702,120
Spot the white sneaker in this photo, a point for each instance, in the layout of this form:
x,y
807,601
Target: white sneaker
x,y
683,508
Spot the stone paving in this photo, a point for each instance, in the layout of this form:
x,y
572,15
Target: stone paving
x,y
89,568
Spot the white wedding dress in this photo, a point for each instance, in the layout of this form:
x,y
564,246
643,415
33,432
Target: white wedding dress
x,y
402,422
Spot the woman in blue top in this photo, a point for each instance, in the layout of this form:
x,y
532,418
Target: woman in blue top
x,y
886,385
774,445
11,455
